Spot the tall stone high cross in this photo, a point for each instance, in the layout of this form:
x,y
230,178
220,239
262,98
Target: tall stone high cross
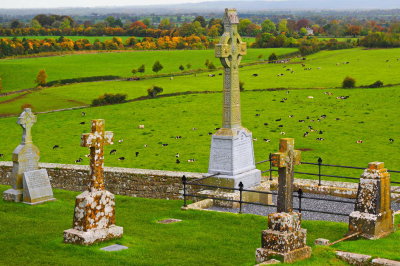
x,y
94,217
25,157
96,140
232,153
285,160
230,51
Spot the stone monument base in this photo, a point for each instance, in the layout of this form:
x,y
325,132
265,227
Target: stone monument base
x,y
12,195
39,201
249,179
284,240
372,226
90,237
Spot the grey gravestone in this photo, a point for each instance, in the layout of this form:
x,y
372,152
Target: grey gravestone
x,y
25,157
232,153
115,247
37,187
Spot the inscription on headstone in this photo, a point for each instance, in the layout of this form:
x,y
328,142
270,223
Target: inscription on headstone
x,y
37,187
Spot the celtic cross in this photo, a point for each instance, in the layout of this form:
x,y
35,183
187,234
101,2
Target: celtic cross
x,y
26,120
230,51
96,141
285,160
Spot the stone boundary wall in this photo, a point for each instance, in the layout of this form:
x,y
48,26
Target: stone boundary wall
x,y
122,181
162,184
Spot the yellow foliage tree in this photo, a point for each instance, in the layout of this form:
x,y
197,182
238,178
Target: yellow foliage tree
x,y
41,78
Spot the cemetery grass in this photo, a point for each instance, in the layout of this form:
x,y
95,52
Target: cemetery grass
x,y
33,235
19,74
330,75
370,115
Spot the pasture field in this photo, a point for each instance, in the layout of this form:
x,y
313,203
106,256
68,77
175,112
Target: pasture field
x,y
328,69
370,115
202,238
20,73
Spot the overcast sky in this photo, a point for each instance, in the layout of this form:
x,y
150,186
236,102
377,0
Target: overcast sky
x,y
86,3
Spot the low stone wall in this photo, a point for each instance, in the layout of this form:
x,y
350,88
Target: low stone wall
x,y
121,181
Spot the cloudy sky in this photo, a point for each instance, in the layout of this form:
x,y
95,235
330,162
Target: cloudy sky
x,y
86,3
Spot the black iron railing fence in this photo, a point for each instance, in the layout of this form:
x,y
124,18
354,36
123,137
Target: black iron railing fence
x,y
299,194
319,164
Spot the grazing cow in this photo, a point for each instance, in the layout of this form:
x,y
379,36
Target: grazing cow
x,y
137,154
287,92
209,133
257,114
164,144
280,126
120,141
141,126
191,160
291,116
220,74
82,123
87,155
255,75
56,147
194,128
310,97
303,65
267,140
255,139
359,141
320,139
121,158
283,133
321,132
337,119
266,124
145,145
217,128
277,120
177,155
177,161
211,75
1,155
305,134
113,152
302,121
178,137
79,160
83,114
391,140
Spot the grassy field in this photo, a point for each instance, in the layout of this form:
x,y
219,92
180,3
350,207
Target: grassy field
x,y
21,73
374,122
324,73
31,233
74,38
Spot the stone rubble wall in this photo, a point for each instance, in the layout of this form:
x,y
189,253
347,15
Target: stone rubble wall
x,y
162,184
121,181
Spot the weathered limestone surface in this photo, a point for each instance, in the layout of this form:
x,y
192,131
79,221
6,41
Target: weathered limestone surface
x,y
354,258
37,187
385,262
285,239
373,216
232,153
94,218
322,242
25,157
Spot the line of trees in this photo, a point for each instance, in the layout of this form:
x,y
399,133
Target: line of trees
x,y
15,46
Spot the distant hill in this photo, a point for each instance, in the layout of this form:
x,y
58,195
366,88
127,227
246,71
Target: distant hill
x,y
218,7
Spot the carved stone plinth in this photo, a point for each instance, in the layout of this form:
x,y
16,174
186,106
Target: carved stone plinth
x,y
232,158
94,219
372,216
284,240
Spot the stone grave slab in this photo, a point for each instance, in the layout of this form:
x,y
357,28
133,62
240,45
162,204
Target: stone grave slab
x,y
115,247
37,187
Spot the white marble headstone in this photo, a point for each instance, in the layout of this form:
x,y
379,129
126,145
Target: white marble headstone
x,y
37,187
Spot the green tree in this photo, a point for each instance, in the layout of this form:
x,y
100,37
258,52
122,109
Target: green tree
x,y
272,57
157,67
134,71
349,82
41,78
303,32
146,22
35,24
282,26
268,26
65,24
211,66
165,24
201,20
243,24
188,66
154,91
142,69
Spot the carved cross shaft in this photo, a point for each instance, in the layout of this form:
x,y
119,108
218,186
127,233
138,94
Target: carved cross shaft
x,y
26,120
285,160
230,51
96,141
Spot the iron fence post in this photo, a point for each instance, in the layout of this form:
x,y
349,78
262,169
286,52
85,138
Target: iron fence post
x,y
300,194
270,167
319,170
241,196
184,179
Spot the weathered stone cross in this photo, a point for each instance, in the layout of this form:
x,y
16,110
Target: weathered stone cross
x,y
230,51
96,141
285,160
26,120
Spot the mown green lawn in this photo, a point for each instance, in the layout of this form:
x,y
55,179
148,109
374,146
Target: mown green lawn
x,y
21,73
34,235
370,115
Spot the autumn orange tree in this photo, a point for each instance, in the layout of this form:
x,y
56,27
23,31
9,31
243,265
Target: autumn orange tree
x,y
41,78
